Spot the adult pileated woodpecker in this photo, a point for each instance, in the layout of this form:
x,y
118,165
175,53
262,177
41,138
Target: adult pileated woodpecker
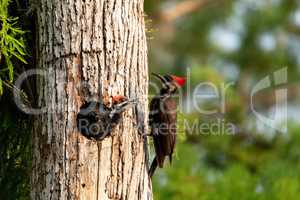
x,y
96,120
163,119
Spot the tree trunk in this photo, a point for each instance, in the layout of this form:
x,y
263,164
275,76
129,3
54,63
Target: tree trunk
x,y
91,49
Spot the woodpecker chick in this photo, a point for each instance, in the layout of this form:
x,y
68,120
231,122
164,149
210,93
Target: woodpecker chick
x,y
96,120
162,120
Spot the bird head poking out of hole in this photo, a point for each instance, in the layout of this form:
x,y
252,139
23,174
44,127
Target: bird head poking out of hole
x,y
96,120
118,99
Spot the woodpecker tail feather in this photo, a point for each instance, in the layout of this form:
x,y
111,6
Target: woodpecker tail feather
x,y
153,167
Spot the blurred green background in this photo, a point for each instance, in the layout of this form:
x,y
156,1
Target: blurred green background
x,y
239,43
235,43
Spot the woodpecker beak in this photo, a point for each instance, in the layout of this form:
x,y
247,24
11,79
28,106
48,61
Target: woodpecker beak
x,y
179,80
120,100
161,78
121,103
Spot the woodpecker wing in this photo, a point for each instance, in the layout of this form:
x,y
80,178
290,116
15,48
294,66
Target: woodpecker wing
x,y
163,123
169,117
154,122
154,111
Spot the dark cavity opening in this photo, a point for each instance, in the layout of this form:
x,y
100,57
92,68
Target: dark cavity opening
x,y
93,120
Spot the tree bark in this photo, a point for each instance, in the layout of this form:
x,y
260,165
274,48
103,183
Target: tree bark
x,y
90,49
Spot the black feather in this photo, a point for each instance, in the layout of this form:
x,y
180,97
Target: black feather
x,y
163,119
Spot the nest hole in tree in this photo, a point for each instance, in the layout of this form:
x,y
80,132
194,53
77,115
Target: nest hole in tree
x,y
92,122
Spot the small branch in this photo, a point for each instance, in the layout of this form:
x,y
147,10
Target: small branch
x,y
181,9
14,89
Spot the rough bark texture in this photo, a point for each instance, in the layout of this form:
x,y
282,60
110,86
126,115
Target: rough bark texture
x,y
91,49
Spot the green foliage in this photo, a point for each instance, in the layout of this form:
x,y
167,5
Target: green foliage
x,y
11,43
1,87
245,172
15,152
15,126
250,164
